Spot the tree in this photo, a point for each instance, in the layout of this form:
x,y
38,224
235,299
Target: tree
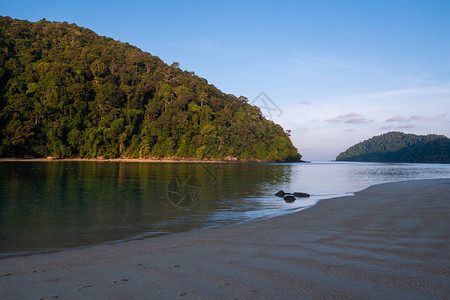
x,y
67,92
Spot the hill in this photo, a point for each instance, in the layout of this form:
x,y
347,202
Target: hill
x,y
400,147
67,92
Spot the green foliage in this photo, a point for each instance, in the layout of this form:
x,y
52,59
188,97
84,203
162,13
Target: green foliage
x,y
67,92
400,147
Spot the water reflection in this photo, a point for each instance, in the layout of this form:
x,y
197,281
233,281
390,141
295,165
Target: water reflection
x,y
65,204
46,205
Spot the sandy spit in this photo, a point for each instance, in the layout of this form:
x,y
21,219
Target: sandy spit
x,y
390,241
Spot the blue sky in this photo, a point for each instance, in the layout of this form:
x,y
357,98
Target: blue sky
x,y
340,71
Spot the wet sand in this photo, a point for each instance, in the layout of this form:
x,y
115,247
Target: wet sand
x,y
390,241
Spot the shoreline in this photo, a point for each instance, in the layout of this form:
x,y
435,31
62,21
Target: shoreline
x,y
388,241
147,160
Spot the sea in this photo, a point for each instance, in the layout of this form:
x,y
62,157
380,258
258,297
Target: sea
x,y
48,206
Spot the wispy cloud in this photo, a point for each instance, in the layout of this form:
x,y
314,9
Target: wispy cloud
x,y
402,119
360,120
333,120
441,89
396,119
349,118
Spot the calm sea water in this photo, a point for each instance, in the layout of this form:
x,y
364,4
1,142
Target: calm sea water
x,y
52,205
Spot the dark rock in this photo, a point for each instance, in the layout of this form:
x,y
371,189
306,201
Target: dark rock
x,y
280,193
301,195
289,198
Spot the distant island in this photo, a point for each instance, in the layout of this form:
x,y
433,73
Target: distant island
x,y
400,147
67,92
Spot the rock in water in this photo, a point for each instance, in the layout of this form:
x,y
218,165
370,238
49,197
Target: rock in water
x,y
289,198
301,195
280,193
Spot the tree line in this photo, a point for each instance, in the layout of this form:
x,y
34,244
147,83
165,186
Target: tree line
x,y
400,147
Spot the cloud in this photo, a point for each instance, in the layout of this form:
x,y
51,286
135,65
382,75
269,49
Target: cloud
x,y
350,115
424,91
439,94
333,120
349,118
305,102
402,119
360,120
404,123
396,119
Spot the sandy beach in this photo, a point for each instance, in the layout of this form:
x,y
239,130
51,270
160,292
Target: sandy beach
x,y
390,241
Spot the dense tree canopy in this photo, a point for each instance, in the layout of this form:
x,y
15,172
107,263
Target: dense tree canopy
x,y
67,92
400,147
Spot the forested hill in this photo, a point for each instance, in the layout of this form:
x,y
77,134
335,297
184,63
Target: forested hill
x,y
67,92
400,147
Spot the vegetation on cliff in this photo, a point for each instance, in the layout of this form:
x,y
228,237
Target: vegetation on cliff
x,y
67,92
400,147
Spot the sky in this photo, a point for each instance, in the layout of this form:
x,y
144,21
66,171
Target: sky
x,y
333,72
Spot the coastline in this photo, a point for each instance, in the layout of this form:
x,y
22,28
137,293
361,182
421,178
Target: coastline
x,y
147,160
388,241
